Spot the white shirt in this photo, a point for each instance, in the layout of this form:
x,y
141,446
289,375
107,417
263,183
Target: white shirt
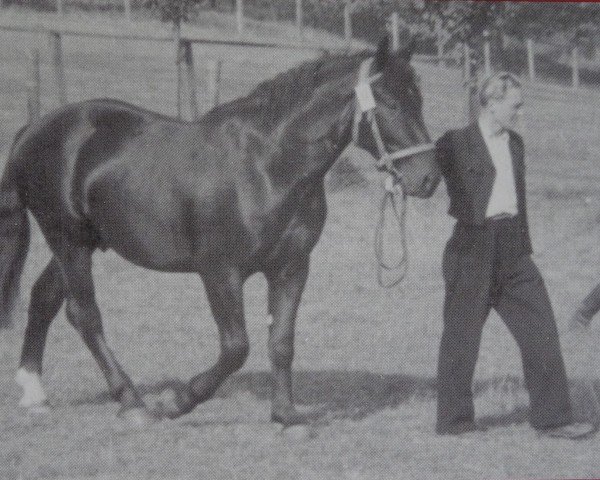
x,y
503,198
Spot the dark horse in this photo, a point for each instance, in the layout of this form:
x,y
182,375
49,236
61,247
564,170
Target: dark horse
x,y
238,192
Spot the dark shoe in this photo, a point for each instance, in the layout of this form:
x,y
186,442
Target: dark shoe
x,y
571,431
460,428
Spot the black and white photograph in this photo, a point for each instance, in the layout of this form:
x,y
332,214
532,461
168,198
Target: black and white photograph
x,y
299,239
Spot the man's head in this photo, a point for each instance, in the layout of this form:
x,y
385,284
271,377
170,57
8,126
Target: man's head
x,y
501,98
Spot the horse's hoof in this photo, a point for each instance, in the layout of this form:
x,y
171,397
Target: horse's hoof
x,y
137,417
170,403
34,398
289,417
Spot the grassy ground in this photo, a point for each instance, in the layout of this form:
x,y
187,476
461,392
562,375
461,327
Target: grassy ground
x,y
366,357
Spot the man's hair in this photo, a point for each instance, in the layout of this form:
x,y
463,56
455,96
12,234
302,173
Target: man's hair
x,y
496,85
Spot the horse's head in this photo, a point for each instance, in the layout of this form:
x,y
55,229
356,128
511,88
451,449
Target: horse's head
x,y
389,120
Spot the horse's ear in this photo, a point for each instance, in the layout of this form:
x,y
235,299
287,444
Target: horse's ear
x,y
381,56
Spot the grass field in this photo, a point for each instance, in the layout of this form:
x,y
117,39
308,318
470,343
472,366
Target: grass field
x,y
366,357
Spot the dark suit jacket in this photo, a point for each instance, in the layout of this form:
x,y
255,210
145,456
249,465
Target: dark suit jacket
x,y
469,174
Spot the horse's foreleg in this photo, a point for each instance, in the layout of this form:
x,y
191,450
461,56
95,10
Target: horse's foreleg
x,y
224,290
83,313
285,291
47,296
225,295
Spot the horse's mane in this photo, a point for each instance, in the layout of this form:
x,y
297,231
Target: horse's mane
x,y
275,97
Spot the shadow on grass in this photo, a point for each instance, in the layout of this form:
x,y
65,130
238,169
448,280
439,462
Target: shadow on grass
x,y
358,394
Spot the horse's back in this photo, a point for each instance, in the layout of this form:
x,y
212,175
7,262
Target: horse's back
x,y
61,154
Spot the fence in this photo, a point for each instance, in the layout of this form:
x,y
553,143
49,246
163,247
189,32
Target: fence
x,y
528,65
529,55
183,48
183,59
127,7
186,73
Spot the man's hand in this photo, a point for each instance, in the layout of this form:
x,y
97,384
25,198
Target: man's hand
x,y
579,322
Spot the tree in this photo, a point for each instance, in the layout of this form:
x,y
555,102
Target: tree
x,y
466,20
543,20
175,11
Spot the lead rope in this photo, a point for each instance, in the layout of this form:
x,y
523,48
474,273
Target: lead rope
x,y
394,193
394,199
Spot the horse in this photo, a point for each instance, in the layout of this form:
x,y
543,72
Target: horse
x,y
239,191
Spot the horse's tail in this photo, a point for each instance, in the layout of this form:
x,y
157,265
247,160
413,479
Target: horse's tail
x,y
14,236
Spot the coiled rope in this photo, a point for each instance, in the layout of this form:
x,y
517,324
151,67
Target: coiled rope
x,y
394,200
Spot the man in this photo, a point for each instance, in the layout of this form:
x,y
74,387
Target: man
x,y
487,264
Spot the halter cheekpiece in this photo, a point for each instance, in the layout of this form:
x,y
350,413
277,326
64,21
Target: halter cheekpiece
x,y
365,105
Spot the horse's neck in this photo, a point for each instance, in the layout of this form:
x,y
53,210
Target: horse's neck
x,y
291,154
312,138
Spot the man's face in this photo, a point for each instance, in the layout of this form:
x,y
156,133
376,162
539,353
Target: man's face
x,y
506,111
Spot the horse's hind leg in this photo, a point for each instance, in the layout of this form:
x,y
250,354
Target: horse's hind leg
x,y
225,294
83,313
285,292
47,296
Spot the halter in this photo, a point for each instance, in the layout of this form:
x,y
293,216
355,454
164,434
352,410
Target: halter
x,y
394,196
365,105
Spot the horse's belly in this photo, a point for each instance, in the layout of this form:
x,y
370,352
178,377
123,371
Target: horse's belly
x,y
149,234
149,248
168,234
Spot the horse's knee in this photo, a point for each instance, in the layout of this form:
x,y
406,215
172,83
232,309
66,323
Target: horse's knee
x,y
234,353
281,351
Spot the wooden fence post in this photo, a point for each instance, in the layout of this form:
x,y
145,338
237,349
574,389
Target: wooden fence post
x,y
33,87
394,26
239,15
470,86
348,21
188,59
127,5
487,54
178,55
58,67
214,81
531,59
466,61
439,41
575,66
299,17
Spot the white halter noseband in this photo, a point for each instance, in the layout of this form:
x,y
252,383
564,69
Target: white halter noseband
x,y
365,105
